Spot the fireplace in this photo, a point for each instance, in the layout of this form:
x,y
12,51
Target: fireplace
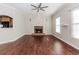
x,y
38,29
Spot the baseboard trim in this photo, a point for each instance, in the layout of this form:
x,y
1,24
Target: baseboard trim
x,y
12,40
66,42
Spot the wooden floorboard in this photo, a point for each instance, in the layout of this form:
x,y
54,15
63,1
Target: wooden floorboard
x,y
31,45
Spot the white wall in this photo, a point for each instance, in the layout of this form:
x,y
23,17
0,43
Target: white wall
x,y
65,14
11,34
38,19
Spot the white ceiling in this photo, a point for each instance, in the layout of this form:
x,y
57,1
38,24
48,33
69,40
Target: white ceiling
x,y
26,8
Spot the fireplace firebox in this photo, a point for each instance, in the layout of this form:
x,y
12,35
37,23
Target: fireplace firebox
x,y
38,29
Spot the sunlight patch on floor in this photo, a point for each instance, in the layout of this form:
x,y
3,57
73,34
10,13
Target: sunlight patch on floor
x,y
58,48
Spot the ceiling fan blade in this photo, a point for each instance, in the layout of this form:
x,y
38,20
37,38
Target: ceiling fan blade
x,y
42,9
40,4
37,10
34,6
45,7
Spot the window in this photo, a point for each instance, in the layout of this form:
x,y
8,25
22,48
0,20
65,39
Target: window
x,y
58,24
75,23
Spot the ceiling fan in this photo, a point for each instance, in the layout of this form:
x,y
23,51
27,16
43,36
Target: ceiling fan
x,y
39,7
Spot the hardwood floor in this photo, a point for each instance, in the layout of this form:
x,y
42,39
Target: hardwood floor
x,y
29,45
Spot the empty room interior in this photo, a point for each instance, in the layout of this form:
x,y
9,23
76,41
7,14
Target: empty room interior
x,y
39,28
